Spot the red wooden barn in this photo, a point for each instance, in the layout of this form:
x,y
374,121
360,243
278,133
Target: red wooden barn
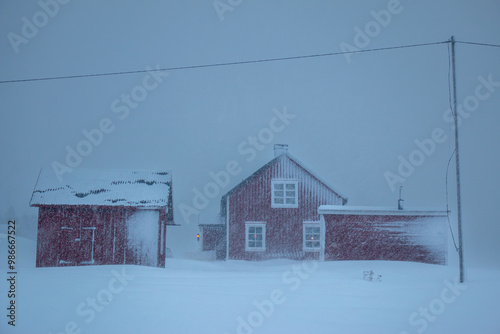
x,y
274,214
102,217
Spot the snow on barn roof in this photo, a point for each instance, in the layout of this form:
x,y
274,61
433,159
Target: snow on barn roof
x,y
103,187
375,210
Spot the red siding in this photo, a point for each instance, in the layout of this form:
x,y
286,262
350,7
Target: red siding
x,y
385,237
110,236
284,226
212,237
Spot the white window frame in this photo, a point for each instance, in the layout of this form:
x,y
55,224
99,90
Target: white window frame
x,y
249,225
305,226
284,182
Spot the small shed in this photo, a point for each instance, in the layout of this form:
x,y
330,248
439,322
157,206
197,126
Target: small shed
x,y
213,239
96,217
377,233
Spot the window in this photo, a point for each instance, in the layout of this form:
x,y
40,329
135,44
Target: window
x,y
255,239
284,194
312,237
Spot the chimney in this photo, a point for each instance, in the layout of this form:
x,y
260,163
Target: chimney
x,y
280,149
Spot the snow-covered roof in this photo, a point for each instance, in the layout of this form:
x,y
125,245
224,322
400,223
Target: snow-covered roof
x,y
103,187
376,210
212,226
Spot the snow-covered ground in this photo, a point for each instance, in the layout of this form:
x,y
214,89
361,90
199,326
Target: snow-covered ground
x,y
250,297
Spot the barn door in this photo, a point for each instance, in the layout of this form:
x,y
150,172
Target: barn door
x,y
76,245
87,245
68,249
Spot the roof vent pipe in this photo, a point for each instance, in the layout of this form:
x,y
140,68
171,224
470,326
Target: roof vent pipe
x,y
400,205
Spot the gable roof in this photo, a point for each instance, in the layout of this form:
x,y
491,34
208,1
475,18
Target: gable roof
x,y
260,170
148,189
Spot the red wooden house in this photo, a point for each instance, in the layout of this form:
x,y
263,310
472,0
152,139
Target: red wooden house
x,y
274,212
102,217
283,210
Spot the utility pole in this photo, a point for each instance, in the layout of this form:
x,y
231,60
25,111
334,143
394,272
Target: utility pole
x,y
457,165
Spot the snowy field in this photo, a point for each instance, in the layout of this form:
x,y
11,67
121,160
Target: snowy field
x,y
242,297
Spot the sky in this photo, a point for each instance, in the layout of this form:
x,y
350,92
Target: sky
x,y
353,119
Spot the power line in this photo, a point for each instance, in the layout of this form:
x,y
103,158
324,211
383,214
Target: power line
x,y
242,62
224,64
482,44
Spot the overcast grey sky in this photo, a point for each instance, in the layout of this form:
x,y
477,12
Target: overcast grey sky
x,y
351,117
